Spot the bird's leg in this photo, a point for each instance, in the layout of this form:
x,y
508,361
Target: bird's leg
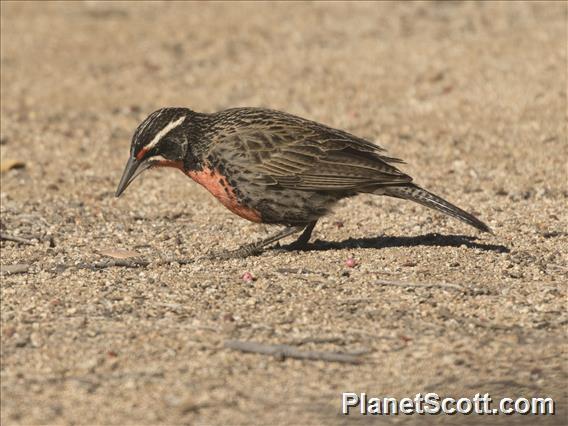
x,y
303,239
257,247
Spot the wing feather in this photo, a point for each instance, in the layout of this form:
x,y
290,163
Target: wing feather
x,y
291,152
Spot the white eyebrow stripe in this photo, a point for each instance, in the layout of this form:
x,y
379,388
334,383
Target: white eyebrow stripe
x,y
172,125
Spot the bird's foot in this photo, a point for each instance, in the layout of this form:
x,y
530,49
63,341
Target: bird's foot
x,y
301,243
295,246
258,247
240,253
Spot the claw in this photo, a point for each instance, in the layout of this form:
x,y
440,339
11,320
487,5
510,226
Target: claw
x,y
239,253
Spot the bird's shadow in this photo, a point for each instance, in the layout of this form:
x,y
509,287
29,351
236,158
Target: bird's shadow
x,y
436,240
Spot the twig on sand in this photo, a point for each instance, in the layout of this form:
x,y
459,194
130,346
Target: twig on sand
x,y
555,266
15,239
282,352
421,285
179,261
300,342
18,268
127,263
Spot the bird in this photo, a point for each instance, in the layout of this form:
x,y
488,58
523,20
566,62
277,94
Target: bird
x,y
272,167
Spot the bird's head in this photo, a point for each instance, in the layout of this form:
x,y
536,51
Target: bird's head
x,y
161,140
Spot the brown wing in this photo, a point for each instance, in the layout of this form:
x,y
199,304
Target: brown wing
x,y
291,152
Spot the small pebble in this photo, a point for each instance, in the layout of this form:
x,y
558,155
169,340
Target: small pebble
x,y
36,340
247,277
351,262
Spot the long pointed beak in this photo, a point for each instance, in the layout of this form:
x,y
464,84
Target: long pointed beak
x,y
131,170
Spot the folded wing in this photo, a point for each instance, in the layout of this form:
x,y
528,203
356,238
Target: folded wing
x,y
290,152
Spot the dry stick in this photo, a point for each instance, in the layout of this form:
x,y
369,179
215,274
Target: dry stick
x,y
418,285
555,266
179,261
7,237
300,342
132,263
125,263
114,262
286,351
18,268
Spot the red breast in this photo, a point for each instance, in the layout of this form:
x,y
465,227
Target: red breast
x,y
217,185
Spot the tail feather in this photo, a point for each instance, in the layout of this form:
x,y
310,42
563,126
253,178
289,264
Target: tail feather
x,y
415,193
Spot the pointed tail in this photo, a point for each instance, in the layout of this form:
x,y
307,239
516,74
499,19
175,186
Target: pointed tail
x,y
415,193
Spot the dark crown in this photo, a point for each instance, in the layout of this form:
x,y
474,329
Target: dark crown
x,y
157,125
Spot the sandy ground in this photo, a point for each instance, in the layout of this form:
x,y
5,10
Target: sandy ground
x,y
472,96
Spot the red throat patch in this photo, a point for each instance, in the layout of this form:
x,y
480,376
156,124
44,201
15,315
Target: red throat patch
x,y
217,185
